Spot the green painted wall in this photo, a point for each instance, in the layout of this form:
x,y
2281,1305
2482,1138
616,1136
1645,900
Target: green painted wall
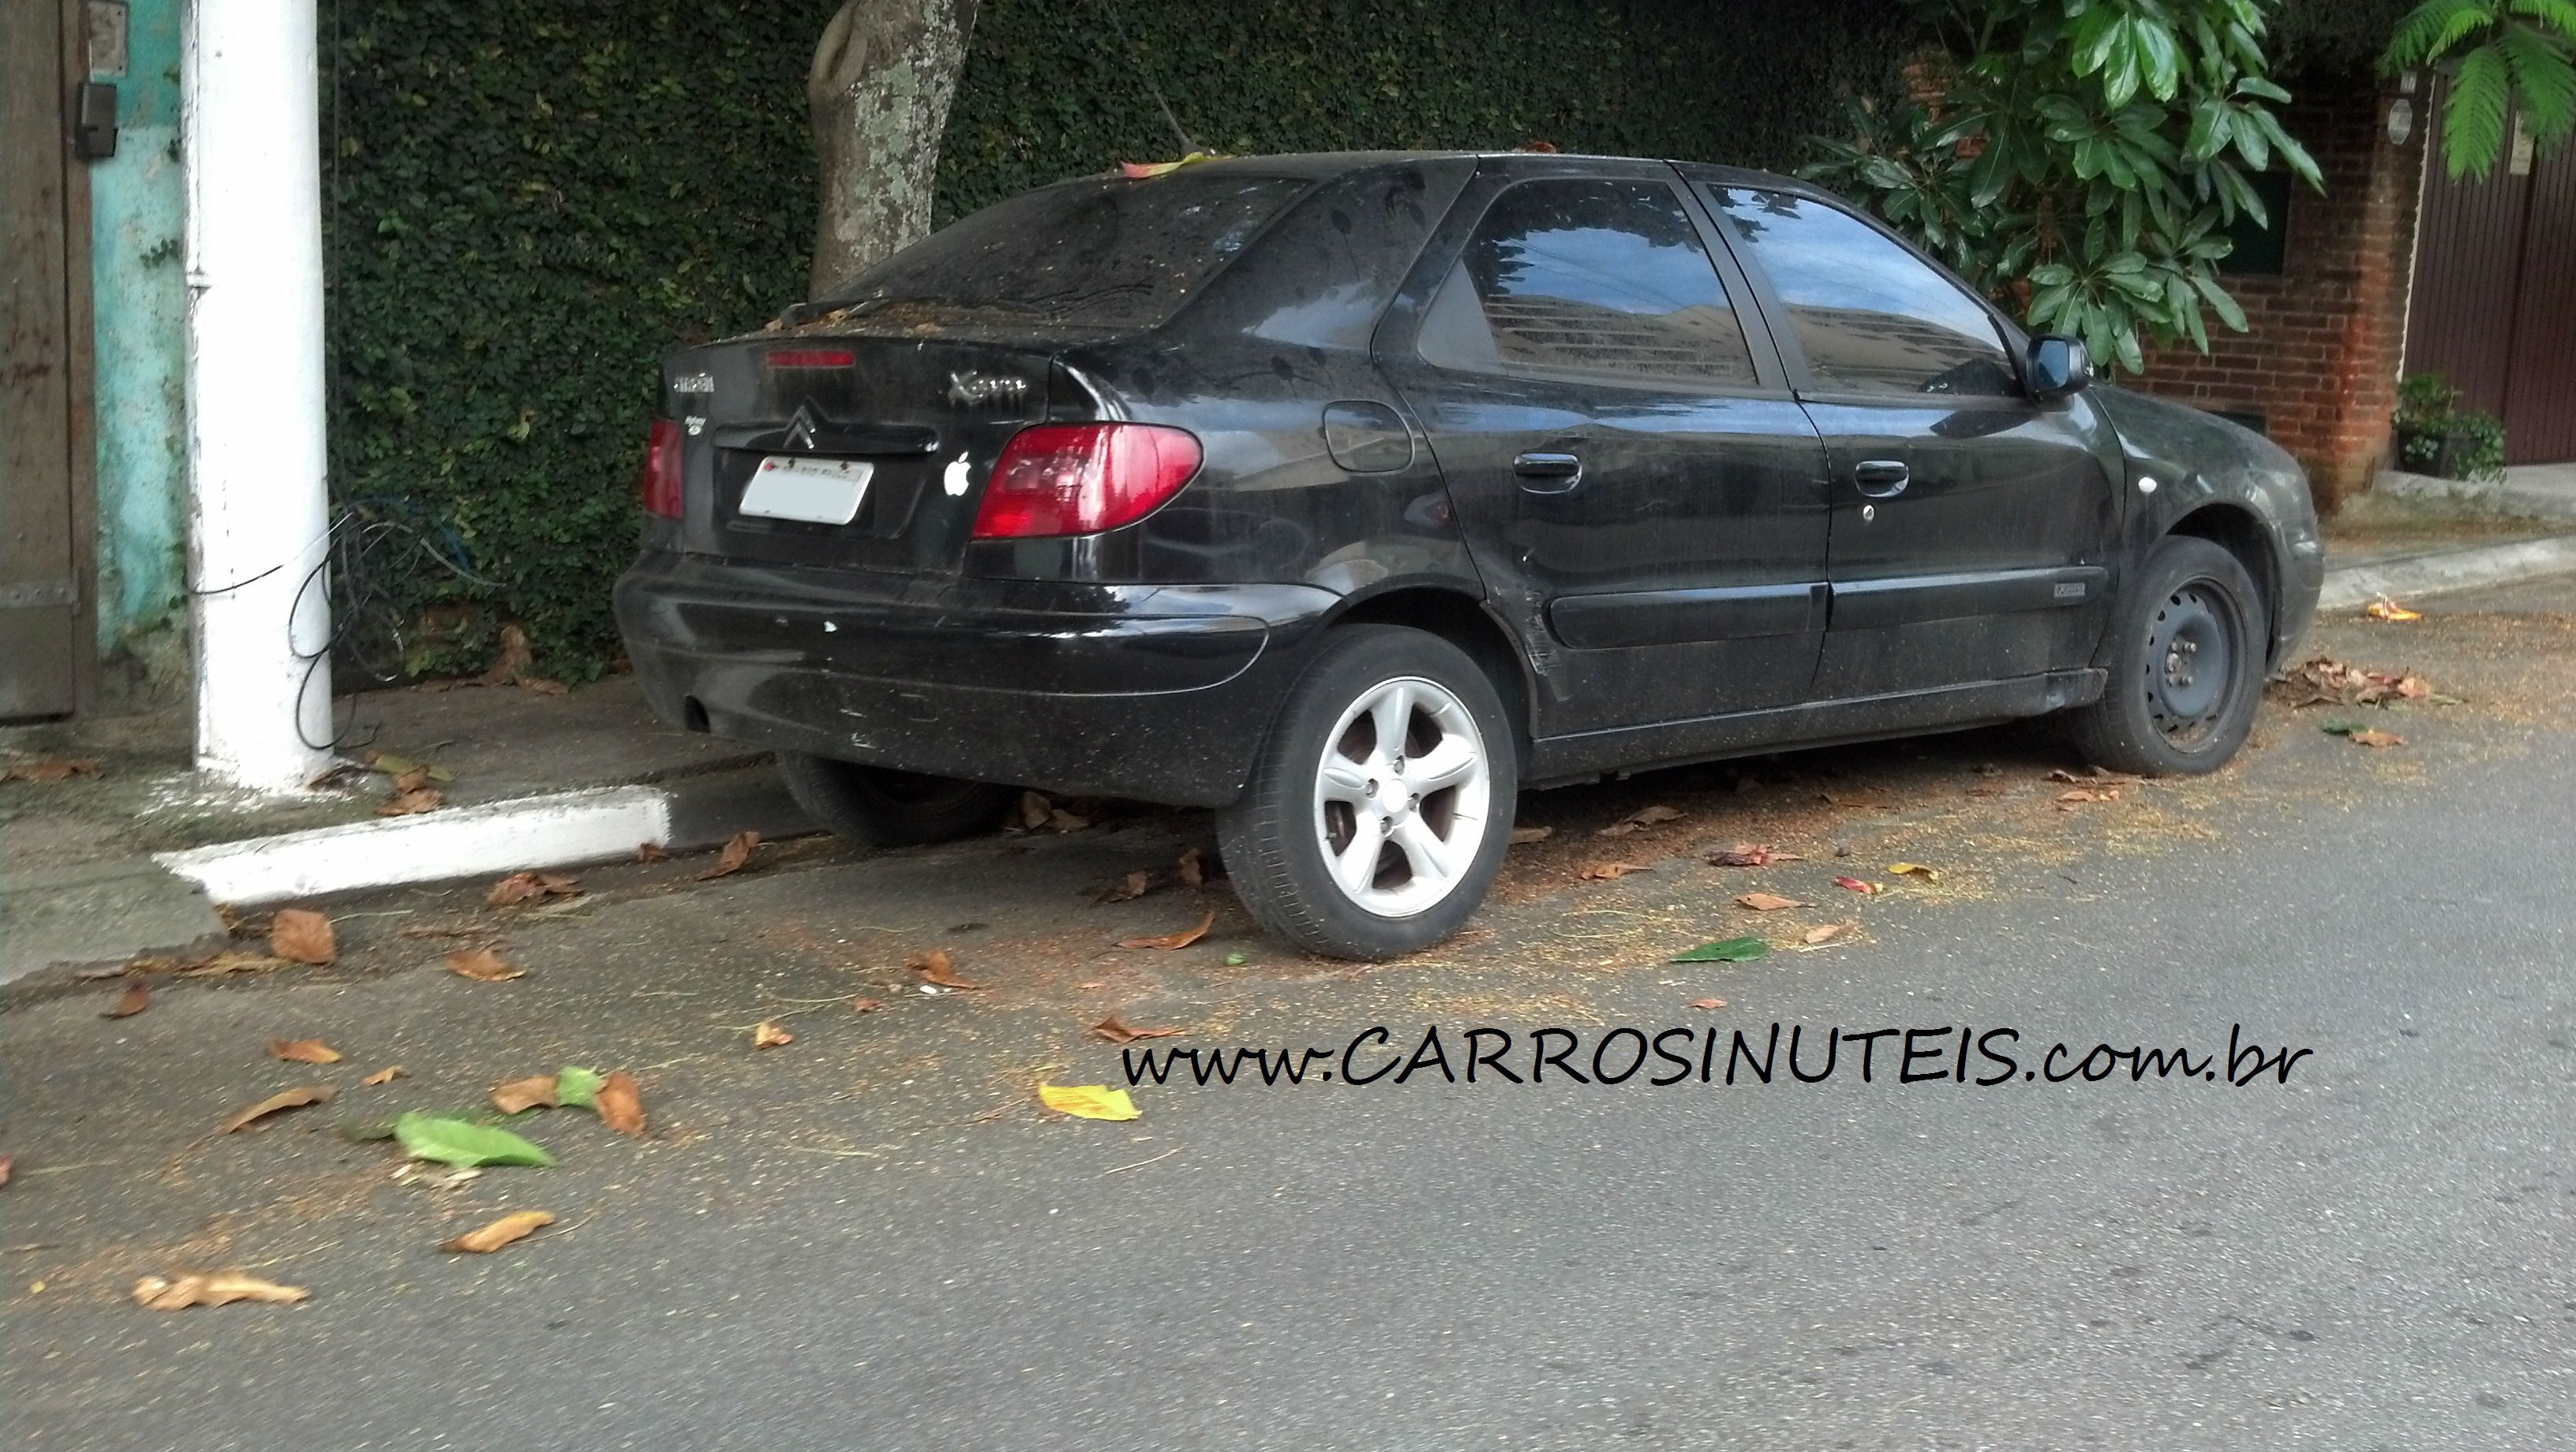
x,y
138,210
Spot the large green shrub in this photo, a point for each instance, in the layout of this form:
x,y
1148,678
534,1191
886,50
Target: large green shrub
x,y
531,201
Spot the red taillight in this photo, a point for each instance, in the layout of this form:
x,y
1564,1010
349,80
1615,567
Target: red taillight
x,y
660,481
811,358
1083,478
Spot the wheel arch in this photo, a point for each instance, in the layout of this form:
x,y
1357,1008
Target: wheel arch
x,y
2239,531
1461,619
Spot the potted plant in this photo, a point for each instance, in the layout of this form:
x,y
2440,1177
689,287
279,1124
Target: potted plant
x,y
2436,436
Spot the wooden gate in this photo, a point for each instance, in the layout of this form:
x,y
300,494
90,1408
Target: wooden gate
x,y
2494,300
45,461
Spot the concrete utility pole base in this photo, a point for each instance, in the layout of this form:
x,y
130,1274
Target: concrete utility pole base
x,y
260,510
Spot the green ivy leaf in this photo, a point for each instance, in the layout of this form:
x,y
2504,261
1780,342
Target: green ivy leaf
x,y
464,1144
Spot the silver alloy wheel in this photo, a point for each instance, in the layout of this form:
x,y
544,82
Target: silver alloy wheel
x,y
1402,797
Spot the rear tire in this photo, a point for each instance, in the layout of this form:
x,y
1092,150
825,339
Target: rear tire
x,y
1381,802
877,807
2188,644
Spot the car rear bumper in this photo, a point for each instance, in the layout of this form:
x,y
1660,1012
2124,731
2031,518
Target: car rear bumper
x,y
1157,692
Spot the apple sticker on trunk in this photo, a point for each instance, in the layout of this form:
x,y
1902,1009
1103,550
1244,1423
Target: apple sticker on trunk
x,y
953,478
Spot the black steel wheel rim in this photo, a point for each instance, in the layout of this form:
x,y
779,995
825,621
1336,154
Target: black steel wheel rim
x,y
2192,648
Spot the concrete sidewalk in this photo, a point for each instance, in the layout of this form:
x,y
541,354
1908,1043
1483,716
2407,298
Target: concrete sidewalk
x,y
132,860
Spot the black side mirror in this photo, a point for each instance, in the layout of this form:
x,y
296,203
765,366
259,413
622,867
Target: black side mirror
x,y
2059,365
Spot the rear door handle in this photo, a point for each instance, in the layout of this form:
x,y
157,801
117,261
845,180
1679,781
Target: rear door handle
x,y
1881,478
1549,473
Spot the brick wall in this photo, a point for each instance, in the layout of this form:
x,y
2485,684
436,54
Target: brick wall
x,y
2319,357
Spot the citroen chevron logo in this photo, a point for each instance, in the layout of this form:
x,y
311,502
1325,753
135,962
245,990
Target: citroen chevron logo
x,y
800,429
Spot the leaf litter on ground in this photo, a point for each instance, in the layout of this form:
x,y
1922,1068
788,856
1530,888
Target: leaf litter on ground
x,y
515,1226
1181,939
1089,1101
302,936
464,1144
282,1100
210,1288
1724,950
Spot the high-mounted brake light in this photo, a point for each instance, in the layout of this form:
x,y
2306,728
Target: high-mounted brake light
x,y
659,482
811,358
1083,478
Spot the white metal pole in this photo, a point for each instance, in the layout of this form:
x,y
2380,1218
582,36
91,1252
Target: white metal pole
x,y
260,510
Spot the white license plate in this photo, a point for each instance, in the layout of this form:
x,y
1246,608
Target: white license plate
x,y
815,491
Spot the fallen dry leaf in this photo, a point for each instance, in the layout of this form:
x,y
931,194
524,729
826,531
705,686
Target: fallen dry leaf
x,y
734,858
412,802
517,1225
302,936
1914,869
866,1005
1708,1003
1867,889
1116,1032
769,1033
1826,934
1034,810
1193,871
50,769
1128,889
2067,801
1523,836
2384,608
1751,854
6,1163
1064,821
136,999
1610,871
483,966
514,658
303,1051
1769,902
1639,820
521,1095
934,967
217,1288
620,1102
1180,939
2375,738
650,852
289,1099
521,887
386,1075
1088,1101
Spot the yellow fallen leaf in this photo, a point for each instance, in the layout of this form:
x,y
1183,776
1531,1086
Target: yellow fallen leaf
x,y
2384,608
216,1288
1914,869
303,1051
2375,738
1089,1101
769,1033
516,1225
385,1075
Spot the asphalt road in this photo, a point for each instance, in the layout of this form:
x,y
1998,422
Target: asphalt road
x,y
873,1238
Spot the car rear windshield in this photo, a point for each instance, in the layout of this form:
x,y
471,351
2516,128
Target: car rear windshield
x,y
1114,254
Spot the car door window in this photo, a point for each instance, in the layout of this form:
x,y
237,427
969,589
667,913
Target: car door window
x,y
1590,279
1870,315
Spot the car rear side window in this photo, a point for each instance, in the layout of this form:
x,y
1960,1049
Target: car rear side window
x,y
1594,278
1108,254
1870,315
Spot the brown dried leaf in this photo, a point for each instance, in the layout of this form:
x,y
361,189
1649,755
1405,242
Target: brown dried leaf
x,y
521,887
289,1099
517,1225
620,1102
934,967
1034,810
300,936
1193,872
2069,800
521,1095
734,858
2375,738
866,1005
1707,1003
1826,934
303,1051
1128,889
540,686
769,1033
650,852
1064,821
219,1288
1768,902
412,802
6,1162
136,999
483,966
1610,871
386,1075
416,779
515,657
1180,939
49,770
1116,1032
1639,820
1752,854
1523,836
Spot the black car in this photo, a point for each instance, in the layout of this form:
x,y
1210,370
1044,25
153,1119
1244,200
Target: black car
x,y
1350,495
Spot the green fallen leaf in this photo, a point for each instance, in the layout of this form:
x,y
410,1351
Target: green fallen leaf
x,y
1234,960
577,1086
2339,728
1729,950
455,1142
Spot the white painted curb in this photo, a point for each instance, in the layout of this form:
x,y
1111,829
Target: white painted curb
x,y
515,836
2357,585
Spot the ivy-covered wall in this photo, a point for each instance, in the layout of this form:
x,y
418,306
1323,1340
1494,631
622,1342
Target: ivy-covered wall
x,y
530,201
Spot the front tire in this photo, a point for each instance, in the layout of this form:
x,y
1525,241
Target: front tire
x,y
2186,665
877,807
1381,802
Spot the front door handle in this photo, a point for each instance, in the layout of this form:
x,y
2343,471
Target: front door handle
x,y
1881,478
1549,473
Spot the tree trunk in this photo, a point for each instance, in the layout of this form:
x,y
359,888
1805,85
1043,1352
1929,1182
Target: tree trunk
x,y
878,92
